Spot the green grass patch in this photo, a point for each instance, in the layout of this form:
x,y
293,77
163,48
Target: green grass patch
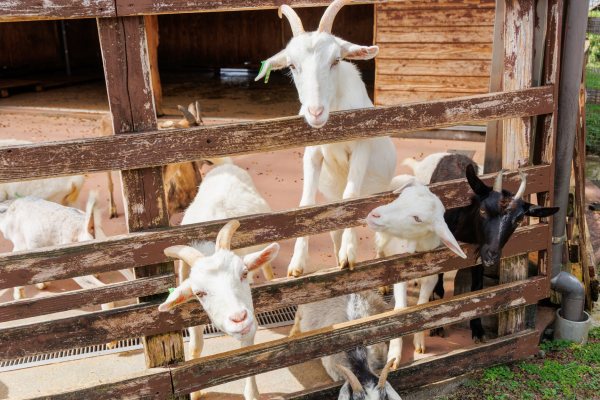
x,y
568,372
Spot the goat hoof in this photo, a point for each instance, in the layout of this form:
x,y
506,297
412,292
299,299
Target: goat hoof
x,y
384,290
441,333
294,272
395,365
479,339
114,215
111,345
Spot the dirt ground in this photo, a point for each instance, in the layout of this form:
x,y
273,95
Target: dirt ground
x,y
277,175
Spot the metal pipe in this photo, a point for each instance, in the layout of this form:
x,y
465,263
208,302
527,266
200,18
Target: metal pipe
x,y
63,27
570,287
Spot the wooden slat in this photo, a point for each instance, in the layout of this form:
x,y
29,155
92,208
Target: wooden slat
x,y
145,248
454,84
593,25
435,4
122,152
443,366
393,97
435,34
154,384
436,51
144,319
24,10
434,67
436,17
34,307
226,367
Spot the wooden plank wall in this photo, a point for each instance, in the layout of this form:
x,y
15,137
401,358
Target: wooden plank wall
x,y
433,49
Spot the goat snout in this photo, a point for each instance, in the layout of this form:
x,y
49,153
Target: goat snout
x,y
374,214
316,112
238,317
491,257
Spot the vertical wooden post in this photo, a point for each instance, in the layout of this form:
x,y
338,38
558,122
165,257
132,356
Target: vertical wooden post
x,y
127,71
151,22
519,28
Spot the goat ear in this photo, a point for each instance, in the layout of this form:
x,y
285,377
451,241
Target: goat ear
x,y
541,212
180,295
480,188
441,229
278,61
411,182
260,258
353,51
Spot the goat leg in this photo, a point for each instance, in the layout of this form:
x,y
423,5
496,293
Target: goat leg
x,y
111,188
477,331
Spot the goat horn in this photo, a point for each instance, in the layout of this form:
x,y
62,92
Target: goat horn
x,y
384,374
498,181
191,120
187,254
352,379
521,190
329,15
225,234
198,115
295,22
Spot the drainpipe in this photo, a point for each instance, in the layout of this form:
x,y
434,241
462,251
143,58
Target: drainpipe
x,y
573,292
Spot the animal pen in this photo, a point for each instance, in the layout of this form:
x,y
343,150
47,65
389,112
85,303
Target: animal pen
x,y
527,51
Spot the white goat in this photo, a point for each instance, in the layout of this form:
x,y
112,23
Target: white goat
x,y
413,222
227,191
326,83
32,223
361,361
220,280
425,168
62,190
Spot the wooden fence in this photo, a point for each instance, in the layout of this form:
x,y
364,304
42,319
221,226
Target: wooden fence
x,y
139,150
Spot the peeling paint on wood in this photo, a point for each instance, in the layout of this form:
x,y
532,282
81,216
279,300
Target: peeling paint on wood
x,y
138,150
145,248
27,10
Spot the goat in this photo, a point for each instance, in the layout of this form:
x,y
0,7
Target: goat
x,y
32,223
181,180
413,222
227,191
326,83
220,280
62,190
438,167
356,365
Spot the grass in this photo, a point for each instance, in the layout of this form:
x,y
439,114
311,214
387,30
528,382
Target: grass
x,y
569,372
592,80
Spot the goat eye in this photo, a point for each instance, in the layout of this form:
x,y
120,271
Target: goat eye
x,y
200,293
292,66
245,275
417,218
482,211
336,62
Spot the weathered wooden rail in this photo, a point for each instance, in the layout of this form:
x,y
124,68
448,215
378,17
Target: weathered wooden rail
x,y
139,150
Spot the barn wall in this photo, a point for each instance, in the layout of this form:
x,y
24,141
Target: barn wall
x,y
243,39
36,46
433,49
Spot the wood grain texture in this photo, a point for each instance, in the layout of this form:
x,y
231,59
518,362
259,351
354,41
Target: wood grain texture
x,y
33,307
434,67
435,34
226,367
436,4
442,366
137,150
26,10
144,319
454,84
145,248
436,51
519,28
392,97
436,17
154,384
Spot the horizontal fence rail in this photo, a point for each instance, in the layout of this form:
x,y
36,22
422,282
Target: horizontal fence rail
x,y
27,10
145,319
33,307
138,249
140,150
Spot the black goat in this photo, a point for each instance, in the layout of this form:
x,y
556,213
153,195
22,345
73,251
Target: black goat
x,y
489,221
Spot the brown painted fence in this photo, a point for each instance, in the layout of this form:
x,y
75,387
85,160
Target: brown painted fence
x,y
139,149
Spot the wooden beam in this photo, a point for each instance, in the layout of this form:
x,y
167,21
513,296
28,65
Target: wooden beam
x,y
29,10
145,319
122,152
135,249
130,95
33,307
233,365
519,28
442,366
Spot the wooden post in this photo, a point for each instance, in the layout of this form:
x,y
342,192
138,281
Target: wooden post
x,y
153,41
519,28
128,81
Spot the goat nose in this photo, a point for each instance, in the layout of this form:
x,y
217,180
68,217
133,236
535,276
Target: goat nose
x,y
374,214
315,111
238,317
